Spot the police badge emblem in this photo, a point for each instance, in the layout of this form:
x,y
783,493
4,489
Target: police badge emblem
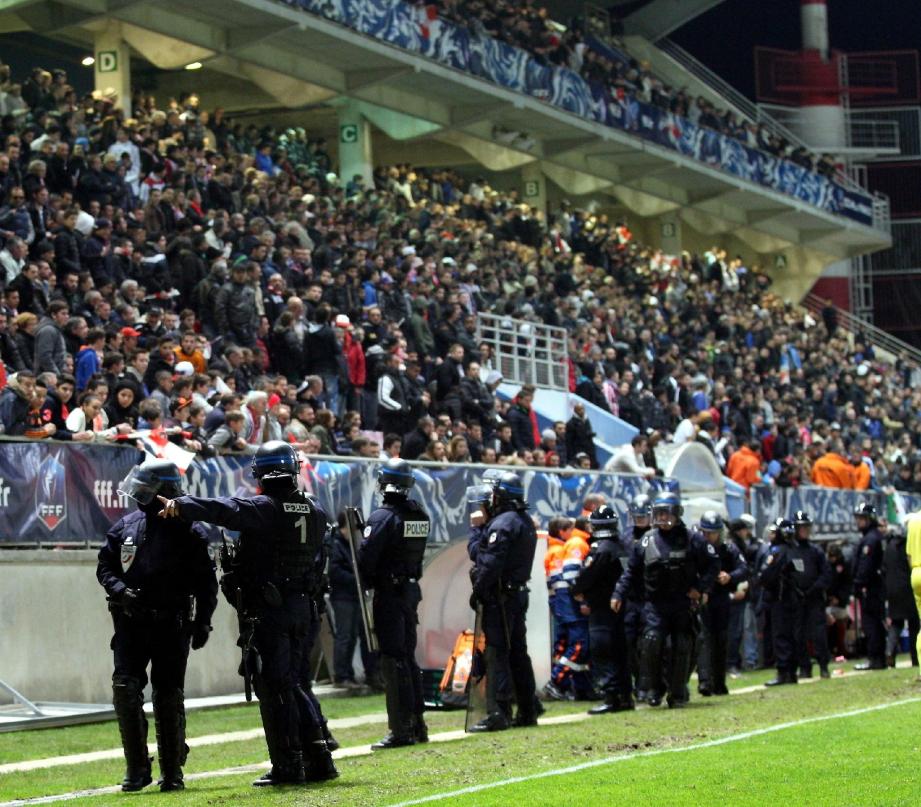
x,y
129,551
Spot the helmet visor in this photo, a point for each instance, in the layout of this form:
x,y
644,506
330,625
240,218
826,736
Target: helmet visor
x,y
140,486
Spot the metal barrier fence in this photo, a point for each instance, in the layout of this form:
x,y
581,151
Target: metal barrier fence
x,y
526,352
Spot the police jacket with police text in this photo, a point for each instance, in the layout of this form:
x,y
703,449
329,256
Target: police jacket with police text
x,y
164,563
811,570
668,564
868,562
281,536
506,555
393,546
606,561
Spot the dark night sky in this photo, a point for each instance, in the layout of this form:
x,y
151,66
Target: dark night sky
x,y
723,39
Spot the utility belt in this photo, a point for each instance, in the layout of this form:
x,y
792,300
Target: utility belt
x,y
513,588
392,582
181,611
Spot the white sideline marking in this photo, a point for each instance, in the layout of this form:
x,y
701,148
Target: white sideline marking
x,y
192,742
337,723
732,738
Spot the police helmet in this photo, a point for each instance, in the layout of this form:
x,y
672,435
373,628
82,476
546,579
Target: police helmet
x,y
744,522
640,506
667,503
711,521
867,511
604,522
395,476
508,490
785,528
802,519
151,479
274,460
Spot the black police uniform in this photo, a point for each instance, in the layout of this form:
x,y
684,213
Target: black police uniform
x,y
390,560
280,537
634,622
152,571
811,574
504,557
667,565
775,576
715,616
869,587
601,570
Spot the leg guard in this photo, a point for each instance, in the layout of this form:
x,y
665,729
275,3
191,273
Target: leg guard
x,y
400,717
128,700
169,717
705,671
651,647
682,650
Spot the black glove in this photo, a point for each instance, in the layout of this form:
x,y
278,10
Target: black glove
x,y
128,598
200,634
474,601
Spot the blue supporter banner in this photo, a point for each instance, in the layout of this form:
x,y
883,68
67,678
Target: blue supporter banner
x,y
412,28
61,492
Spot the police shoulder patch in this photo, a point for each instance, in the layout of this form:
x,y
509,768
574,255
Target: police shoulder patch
x,y
367,531
645,541
589,561
492,537
711,550
866,550
770,559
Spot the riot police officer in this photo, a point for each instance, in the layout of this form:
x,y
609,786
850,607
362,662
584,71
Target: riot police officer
x,y
677,571
500,576
869,585
811,579
281,535
390,561
775,575
714,638
152,574
594,586
640,510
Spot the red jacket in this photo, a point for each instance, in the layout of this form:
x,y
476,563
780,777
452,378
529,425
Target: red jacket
x,y
355,358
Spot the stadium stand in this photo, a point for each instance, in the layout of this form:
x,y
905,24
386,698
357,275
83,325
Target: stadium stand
x,y
174,268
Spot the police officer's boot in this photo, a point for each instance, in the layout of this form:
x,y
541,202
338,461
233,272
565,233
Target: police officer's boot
x,y
169,717
420,730
498,713
399,716
288,771
128,700
783,677
705,663
318,761
287,762
651,647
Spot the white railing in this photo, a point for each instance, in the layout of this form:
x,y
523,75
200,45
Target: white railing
x,y
526,352
875,336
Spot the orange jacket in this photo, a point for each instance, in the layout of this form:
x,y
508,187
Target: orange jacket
x,y
861,476
744,467
553,558
833,471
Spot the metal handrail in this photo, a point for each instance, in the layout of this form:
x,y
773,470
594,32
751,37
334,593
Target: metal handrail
x,y
874,335
751,110
527,352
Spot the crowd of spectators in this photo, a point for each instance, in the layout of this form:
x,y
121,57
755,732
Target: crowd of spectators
x,y
177,271
528,26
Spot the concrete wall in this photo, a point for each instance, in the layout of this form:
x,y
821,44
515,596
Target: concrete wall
x,y
55,632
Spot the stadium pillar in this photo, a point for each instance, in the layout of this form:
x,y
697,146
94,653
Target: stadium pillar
x,y
670,233
534,187
354,143
112,69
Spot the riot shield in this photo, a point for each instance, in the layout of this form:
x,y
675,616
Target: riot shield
x,y
356,527
477,682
